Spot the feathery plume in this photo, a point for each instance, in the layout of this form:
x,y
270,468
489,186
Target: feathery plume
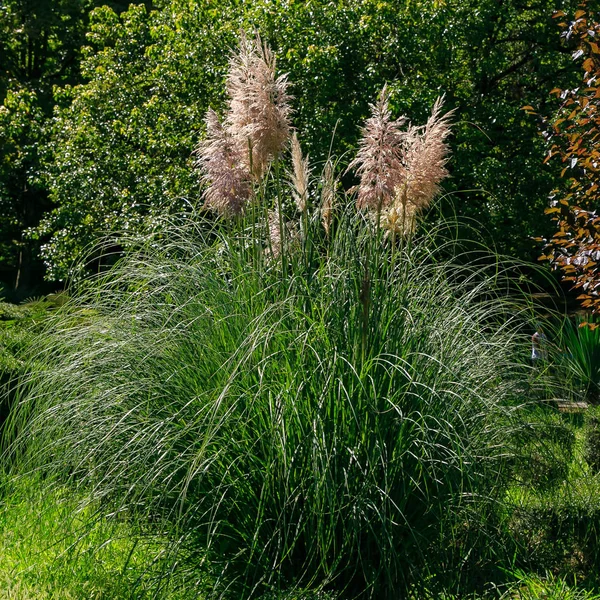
x,y
379,158
224,170
398,220
400,171
426,155
300,175
274,225
328,183
259,110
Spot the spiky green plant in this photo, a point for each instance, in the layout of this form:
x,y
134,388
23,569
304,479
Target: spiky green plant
x,y
579,341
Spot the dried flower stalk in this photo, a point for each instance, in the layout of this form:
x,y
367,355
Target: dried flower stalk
x,y
300,175
281,233
328,196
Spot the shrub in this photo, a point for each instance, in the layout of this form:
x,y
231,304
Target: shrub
x,y
19,326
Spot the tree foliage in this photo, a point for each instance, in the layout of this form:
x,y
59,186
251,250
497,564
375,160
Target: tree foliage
x,y
488,56
21,129
120,143
573,134
40,44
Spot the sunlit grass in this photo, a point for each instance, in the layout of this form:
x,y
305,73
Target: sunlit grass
x,y
51,547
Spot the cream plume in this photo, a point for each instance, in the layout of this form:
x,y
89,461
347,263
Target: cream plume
x,y
259,110
398,220
426,155
224,170
400,171
328,197
255,130
379,158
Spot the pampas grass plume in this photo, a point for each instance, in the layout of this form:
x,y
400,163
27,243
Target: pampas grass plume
x,y
379,158
328,183
400,171
259,109
426,157
224,170
255,130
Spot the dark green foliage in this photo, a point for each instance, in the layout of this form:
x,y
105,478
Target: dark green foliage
x,y
122,142
592,442
22,198
40,43
543,447
40,40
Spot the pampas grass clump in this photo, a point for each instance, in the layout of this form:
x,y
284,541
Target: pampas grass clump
x,y
339,428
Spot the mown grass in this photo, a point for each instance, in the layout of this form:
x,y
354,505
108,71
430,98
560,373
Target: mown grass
x,y
49,550
555,520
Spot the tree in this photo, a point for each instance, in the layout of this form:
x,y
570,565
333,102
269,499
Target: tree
x,y
488,56
573,133
122,140
39,49
22,198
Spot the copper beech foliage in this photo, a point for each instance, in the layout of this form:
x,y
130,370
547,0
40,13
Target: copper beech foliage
x,y
574,137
